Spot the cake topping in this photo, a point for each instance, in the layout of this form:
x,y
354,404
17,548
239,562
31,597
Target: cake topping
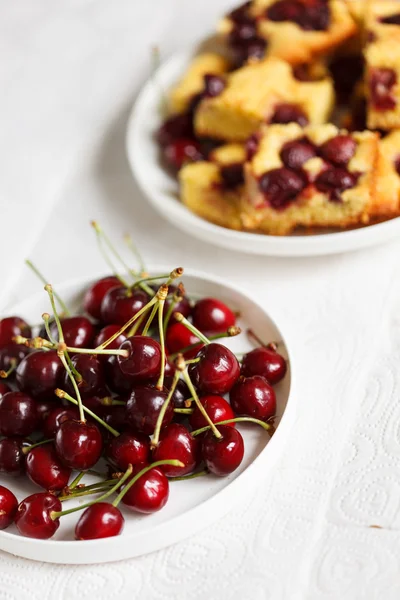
x,y
232,175
338,150
288,113
252,144
381,82
334,181
281,186
213,85
392,19
310,15
175,127
294,154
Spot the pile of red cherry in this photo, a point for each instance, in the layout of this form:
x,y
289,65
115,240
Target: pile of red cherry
x,y
136,380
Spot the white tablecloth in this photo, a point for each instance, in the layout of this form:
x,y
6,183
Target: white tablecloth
x,y
69,71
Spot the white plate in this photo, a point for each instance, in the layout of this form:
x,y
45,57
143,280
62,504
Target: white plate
x,y
192,504
162,190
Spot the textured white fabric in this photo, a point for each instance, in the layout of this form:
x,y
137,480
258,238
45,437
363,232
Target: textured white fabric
x,y
69,71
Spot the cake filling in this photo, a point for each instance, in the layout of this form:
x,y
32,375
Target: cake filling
x,y
338,150
381,82
310,15
282,186
213,85
334,181
289,113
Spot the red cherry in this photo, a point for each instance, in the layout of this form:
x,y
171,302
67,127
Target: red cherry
x,y
212,316
338,150
33,517
105,333
222,456
214,85
12,459
39,374
95,294
217,408
334,181
294,154
253,397
116,380
265,362
10,327
119,305
100,520
128,449
149,493
18,414
381,83
169,368
181,151
144,360
93,378
44,408
313,15
289,113
4,389
392,19
78,445
115,416
177,443
217,370
281,186
178,126
182,306
180,394
78,331
10,356
178,337
44,468
143,408
57,416
8,507
252,144
232,175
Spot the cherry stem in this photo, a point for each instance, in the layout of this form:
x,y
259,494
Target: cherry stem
x,y
201,408
129,243
44,280
57,515
231,332
62,394
102,238
161,303
253,336
133,330
86,490
192,476
158,463
50,292
27,449
150,319
264,425
170,310
161,414
181,319
78,376
77,480
149,278
46,319
75,386
13,366
114,352
184,411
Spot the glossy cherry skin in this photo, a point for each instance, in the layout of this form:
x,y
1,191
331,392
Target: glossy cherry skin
x,y
119,305
57,416
95,294
143,407
93,378
265,362
295,153
33,517
150,492
4,389
128,449
175,127
282,186
78,445
101,520
339,150
180,394
12,459
116,380
10,327
212,316
217,408
253,397
217,371
181,151
10,356
182,306
222,456
105,333
8,507
178,337
44,468
177,443
44,408
144,361
115,416
39,374
18,414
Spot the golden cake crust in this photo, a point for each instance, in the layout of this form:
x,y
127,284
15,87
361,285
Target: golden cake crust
x,y
383,54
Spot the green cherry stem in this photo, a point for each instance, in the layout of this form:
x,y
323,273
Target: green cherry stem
x,y
44,280
57,515
149,278
115,352
181,319
78,402
168,315
100,240
161,414
46,319
50,292
77,480
161,295
231,332
134,329
27,449
264,425
158,463
192,476
184,411
62,394
13,366
254,337
150,319
129,244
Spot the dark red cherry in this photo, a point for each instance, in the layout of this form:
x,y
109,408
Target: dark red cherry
x,y
8,507
93,379
105,333
253,397
397,165
232,175
95,294
115,416
143,407
33,517
289,113
391,20
100,520
333,181
182,151
174,128
119,305
10,327
78,445
44,408
217,370
265,362
44,468
252,144
116,380
12,459
4,389
217,408
179,337
56,417
39,374
212,316
78,331
222,456
214,85
183,306
338,150
128,449
11,355
18,414
149,493
144,361
177,443
381,83
169,368
313,15
294,154
180,394
281,186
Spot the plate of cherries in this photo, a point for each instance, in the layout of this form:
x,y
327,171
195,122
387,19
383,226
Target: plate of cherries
x,y
140,410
